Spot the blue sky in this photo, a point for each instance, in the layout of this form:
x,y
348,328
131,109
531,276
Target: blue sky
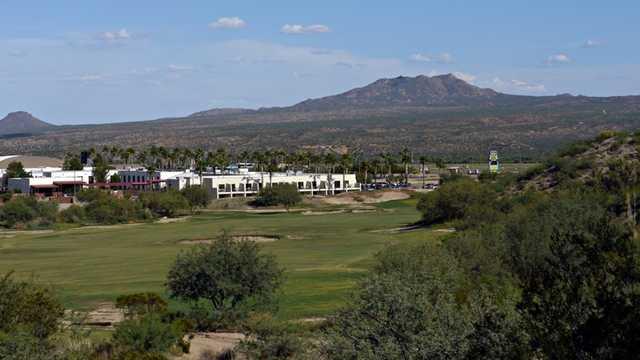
x,y
83,61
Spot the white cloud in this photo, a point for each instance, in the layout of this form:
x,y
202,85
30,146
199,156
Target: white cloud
x,y
518,86
112,36
591,44
465,77
228,23
560,58
17,53
442,58
301,29
179,68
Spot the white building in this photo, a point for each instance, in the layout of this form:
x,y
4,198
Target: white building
x,y
231,183
249,183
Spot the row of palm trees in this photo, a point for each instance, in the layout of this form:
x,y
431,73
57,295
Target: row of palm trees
x,y
271,160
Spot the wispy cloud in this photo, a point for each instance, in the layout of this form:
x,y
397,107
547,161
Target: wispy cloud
x,y
442,58
465,77
302,29
179,68
591,44
560,58
113,36
228,23
518,86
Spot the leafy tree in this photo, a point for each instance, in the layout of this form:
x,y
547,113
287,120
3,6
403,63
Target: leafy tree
x,y
72,162
455,200
100,168
115,178
281,194
580,279
226,273
166,203
15,170
406,309
197,197
29,308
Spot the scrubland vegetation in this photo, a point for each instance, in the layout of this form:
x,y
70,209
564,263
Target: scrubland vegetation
x,y
545,265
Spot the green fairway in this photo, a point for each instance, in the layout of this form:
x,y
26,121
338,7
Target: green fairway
x,y
324,255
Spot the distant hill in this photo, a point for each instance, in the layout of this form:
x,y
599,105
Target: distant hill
x,y
21,122
436,116
442,90
221,111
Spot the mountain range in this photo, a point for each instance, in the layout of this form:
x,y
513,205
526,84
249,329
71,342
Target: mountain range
x,y
439,116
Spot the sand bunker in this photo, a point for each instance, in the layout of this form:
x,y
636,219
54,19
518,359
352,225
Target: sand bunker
x,y
323,212
166,220
106,314
254,238
374,197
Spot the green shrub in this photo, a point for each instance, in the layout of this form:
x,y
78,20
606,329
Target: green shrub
x,y
74,214
280,194
167,203
232,276
147,334
453,199
141,304
270,340
197,197
27,307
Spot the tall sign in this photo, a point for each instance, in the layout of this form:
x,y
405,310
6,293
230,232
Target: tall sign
x,y
494,164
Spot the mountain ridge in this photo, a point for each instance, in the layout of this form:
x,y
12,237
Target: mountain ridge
x,y
22,122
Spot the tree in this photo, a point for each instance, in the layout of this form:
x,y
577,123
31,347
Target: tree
x,y
281,194
166,203
100,168
72,163
423,163
15,170
226,273
28,308
416,304
405,158
197,197
578,269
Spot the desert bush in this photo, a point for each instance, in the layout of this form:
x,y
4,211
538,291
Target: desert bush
x,y
141,304
453,201
147,334
270,340
166,203
281,194
197,197
232,276
74,214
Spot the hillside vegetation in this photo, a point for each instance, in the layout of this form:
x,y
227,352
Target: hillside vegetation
x,y
439,116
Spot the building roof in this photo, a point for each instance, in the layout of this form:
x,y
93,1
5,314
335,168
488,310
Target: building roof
x,y
30,162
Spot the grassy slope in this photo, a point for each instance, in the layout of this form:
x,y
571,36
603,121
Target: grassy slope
x,y
324,254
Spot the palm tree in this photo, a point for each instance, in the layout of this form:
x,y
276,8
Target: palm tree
x,y
405,158
387,160
364,167
423,162
346,162
330,162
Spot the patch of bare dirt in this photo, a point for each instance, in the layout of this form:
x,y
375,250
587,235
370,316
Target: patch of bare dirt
x,y
105,314
210,342
307,213
166,220
254,238
372,197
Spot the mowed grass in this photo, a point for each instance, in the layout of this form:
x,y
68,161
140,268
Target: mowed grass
x,y
324,255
